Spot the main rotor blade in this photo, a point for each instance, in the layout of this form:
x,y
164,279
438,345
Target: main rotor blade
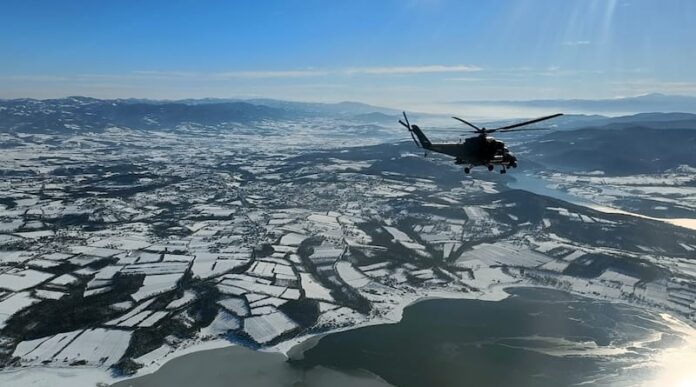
x,y
468,123
521,130
530,122
406,119
410,131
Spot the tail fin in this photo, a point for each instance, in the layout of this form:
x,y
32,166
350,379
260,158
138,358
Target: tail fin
x,y
422,141
425,143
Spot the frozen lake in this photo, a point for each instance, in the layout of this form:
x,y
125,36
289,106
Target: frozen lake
x,y
536,337
240,366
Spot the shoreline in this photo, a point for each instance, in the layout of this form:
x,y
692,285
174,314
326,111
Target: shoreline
x,y
393,317
72,376
292,349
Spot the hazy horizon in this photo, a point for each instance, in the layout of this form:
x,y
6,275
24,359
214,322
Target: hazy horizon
x,y
406,54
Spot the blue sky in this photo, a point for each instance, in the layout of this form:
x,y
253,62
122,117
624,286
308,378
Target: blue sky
x,y
393,53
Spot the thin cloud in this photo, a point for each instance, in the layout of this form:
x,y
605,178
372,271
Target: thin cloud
x,y
414,69
650,85
143,75
234,74
466,79
275,74
303,73
577,43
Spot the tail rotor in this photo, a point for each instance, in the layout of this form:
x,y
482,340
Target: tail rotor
x,y
410,130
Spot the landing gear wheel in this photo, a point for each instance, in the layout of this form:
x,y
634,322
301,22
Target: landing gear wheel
x,y
490,167
514,165
503,171
467,170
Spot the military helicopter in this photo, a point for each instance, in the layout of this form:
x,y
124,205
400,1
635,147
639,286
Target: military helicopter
x,y
478,150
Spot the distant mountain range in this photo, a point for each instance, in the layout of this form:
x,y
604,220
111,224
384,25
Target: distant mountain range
x,y
74,114
90,114
642,143
655,120
338,108
646,103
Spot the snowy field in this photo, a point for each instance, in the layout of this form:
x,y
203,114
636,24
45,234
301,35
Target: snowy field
x,y
122,249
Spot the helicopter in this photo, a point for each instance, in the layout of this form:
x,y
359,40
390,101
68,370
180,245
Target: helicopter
x,y
480,150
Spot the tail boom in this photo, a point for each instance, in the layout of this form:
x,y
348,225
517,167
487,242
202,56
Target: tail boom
x,y
422,138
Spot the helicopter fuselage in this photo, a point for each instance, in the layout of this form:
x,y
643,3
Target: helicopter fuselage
x,y
478,150
475,151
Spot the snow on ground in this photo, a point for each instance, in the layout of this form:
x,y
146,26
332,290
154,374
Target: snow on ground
x,y
156,268
55,377
251,284
153,319
130,243
265,328
13,304
145,257
223,323
63,280
122,306
14,256
504,253
154,356
379,273
314,289
447,249
555,266
489,280
156,284
476,213
574,255
273,301
135,311
42,263
22,279
263,310
48,294
208,265
95,251
34,352
614,276
97,347
93,347
292,239
340,317
235,305
325,254
56,256
135,320
185,299
291,294
375,266
404,239
397,234
350,275
323,219
12,226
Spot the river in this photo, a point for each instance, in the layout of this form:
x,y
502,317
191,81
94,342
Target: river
x,y
540,186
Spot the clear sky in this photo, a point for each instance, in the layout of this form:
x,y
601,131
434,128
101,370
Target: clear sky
x,y
379,51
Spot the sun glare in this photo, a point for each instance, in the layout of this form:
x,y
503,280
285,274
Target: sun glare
x,y
677,366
